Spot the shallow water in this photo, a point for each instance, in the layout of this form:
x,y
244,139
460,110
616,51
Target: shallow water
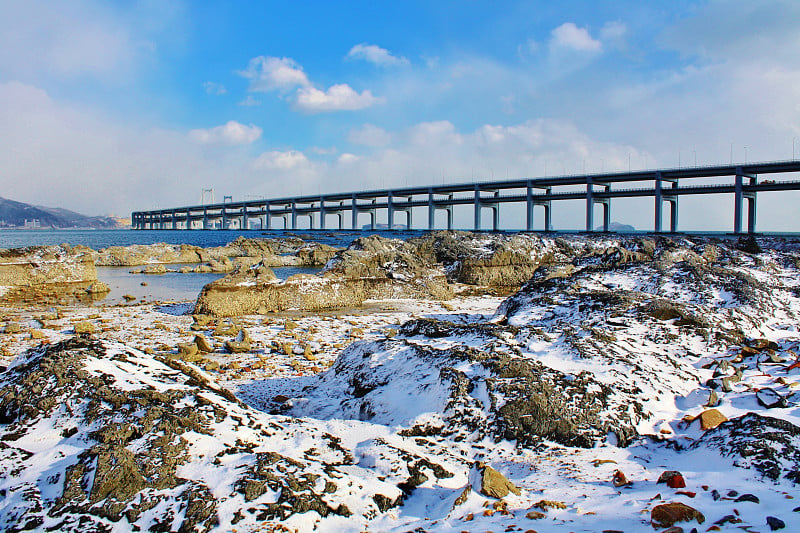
x,y
98,239
171,286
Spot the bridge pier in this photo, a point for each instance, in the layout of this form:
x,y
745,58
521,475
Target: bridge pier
x,y
739,196
670,196
390,210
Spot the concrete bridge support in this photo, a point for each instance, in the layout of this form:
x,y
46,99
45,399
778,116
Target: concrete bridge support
x,y
739,196
592,200
670,196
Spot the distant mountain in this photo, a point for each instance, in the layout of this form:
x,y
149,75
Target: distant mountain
x,y
20,215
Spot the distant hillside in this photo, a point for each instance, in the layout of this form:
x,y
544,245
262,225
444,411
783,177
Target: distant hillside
x,y
15,214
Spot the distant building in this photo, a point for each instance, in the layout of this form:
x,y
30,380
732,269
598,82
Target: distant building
x,y
32,224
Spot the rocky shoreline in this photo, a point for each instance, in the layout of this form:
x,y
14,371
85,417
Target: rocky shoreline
x,y
507,383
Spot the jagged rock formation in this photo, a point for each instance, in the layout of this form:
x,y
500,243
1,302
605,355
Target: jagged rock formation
x,y
95,436
371,268
273,252
580,352
47,273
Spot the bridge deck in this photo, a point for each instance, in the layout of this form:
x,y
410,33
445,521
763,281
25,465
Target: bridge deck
x,y
665,185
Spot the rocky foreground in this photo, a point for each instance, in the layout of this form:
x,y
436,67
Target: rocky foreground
x,y
628,385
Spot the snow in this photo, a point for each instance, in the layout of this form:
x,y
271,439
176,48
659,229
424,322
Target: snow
x,y
629,350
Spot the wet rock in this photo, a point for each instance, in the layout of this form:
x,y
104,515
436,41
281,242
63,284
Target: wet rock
x,y
494,484
98,287
46,265
747,498
668,514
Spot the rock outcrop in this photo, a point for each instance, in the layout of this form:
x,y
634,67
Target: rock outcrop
x,y
371,268
94,436
47,273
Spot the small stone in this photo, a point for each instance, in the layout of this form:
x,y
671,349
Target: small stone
x,y
667,514
619,479
494,484
237,346
462,498
775,523
83,328
202,344
13,328
747,498
770,399
188,351
534,515
673,529
128,297
711,418
713,399
673,479
36,334
544,505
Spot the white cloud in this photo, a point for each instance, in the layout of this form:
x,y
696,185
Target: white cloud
x,y
214,88
249,101
369,135
340,97
274,73
231,133
377,55
570,36
348,158
277,160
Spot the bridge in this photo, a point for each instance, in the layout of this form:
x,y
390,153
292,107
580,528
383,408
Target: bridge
x,y
665,187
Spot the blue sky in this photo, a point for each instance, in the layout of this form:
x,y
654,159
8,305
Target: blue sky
x,y
117,106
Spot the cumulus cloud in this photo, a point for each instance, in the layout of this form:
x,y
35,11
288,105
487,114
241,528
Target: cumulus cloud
x,y
376,55
369,135
571,37
340,97
277,160
214,88
274,74
230,134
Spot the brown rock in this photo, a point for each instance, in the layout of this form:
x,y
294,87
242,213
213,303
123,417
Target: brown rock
x,y
668,514
673,479
494,484
711,418
84,327
188,351
237,346
534,515
202,344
